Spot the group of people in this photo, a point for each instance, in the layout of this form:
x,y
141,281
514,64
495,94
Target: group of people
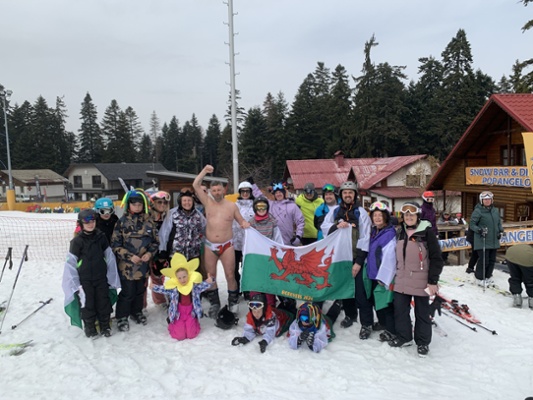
x,y
393,266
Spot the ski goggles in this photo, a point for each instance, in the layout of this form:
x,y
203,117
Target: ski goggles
x,y
486,195
328,188
245,191
160,195
277,186
304,318
161,202
88,219
106,211
256,305
261,207
410,209
378,205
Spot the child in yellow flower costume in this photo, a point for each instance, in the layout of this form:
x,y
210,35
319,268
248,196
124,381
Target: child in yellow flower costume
x,y
183,287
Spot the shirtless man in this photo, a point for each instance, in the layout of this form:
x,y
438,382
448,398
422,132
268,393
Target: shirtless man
x,y
220,214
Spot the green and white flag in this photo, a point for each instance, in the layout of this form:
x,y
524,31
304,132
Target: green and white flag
x,y
316,272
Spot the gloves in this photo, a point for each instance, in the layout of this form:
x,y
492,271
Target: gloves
x,y
483,231
303,337
263,345
250,180
293,240
310,340
240,340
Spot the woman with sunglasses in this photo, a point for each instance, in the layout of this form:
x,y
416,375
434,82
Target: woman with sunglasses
x,y
263,320
418,268
381,267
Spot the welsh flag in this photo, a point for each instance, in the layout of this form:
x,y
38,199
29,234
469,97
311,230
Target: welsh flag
x,y
316,272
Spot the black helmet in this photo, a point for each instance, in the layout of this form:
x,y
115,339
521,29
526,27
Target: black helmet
x,y
261,199
226,319
86,216
259,297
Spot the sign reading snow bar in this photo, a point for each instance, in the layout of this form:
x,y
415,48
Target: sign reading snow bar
x,y
498,176
510,237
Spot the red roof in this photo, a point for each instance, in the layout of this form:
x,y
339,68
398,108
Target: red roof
x,y
368,171
397,192
518,106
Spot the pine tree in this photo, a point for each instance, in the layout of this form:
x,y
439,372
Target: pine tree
x,y
276,112
20,133
145,150
155,133
65,142
225,154
170,139
91,141
42,148
253,151
111,133
135,130
340,110
211,142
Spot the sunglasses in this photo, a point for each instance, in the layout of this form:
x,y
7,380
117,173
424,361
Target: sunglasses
x,y
245,191
378,205
409,209
256,305
88,219
106,211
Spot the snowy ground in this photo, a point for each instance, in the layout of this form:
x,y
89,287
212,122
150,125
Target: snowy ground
x,y
146,363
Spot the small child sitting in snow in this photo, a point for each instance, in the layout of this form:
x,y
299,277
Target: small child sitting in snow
x,y
264,320
311,328
183,288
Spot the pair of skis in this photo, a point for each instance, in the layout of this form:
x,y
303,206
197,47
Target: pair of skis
x,y
458,312
15,349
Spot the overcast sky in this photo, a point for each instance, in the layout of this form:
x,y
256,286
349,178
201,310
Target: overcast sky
x,y
170,56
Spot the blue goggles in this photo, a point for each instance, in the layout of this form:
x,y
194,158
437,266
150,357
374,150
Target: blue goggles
x,y
277,186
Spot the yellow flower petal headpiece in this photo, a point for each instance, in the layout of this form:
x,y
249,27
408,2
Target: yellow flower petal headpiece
x,y
179,261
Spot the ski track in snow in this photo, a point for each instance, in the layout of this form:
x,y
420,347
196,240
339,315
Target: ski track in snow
x,y
146,363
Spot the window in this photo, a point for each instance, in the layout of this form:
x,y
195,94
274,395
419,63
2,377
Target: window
x,y
412,181
77,181
517,156
97,181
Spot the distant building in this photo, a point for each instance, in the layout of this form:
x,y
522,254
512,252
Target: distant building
x,y
91,181
34,184
394,180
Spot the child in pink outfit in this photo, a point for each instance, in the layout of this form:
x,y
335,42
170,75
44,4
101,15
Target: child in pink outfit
x,y
184,288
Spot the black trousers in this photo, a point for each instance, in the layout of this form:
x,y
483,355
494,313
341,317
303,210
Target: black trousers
x,y
131,297
360,303
97,302
385,315
473,260
402,318
489,259
520,275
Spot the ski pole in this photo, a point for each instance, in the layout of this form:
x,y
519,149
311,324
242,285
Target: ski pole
x,y
42,305
487,329
484,258
24,258
461,322
8,258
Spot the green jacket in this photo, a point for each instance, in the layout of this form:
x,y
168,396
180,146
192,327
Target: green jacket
x,y
520,254
490,218
308,209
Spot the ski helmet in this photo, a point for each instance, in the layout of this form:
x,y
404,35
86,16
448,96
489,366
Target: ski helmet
x,y
348,186
86,216
225,319
160,195
244,185
104,206
309,314
486,195
279,186
428,196
261,200
134,196
185,193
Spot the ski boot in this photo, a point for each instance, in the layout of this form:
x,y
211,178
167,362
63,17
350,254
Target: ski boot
x,y
233,301
139,318
422,350
105,329
517,300
123,325
365,332
214,300
90,329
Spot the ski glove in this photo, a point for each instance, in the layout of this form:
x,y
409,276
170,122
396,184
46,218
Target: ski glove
x,y
303,337
294,238
263,345
483,231
311,340
239,340
250,180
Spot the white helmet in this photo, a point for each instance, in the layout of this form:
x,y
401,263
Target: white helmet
x,y
485,195
244,185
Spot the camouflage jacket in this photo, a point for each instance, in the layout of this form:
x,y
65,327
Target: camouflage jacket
x,y
134,234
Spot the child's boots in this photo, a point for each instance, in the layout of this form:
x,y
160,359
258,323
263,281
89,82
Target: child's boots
x,y
517,300
90,329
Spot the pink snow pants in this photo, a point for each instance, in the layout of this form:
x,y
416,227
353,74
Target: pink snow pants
x,y
186,326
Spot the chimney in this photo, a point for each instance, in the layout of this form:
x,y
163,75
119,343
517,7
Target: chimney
x,y
339,158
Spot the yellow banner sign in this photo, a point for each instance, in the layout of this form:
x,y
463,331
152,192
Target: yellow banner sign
x,y
498,176
509,238
528,147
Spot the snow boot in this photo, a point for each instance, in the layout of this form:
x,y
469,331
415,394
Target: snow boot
x,y
347,322
377,327
105,329
214,300
530,302
123,325
386,336
469,270
365,332
233,301
139,318
397,342
422,350
517,300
